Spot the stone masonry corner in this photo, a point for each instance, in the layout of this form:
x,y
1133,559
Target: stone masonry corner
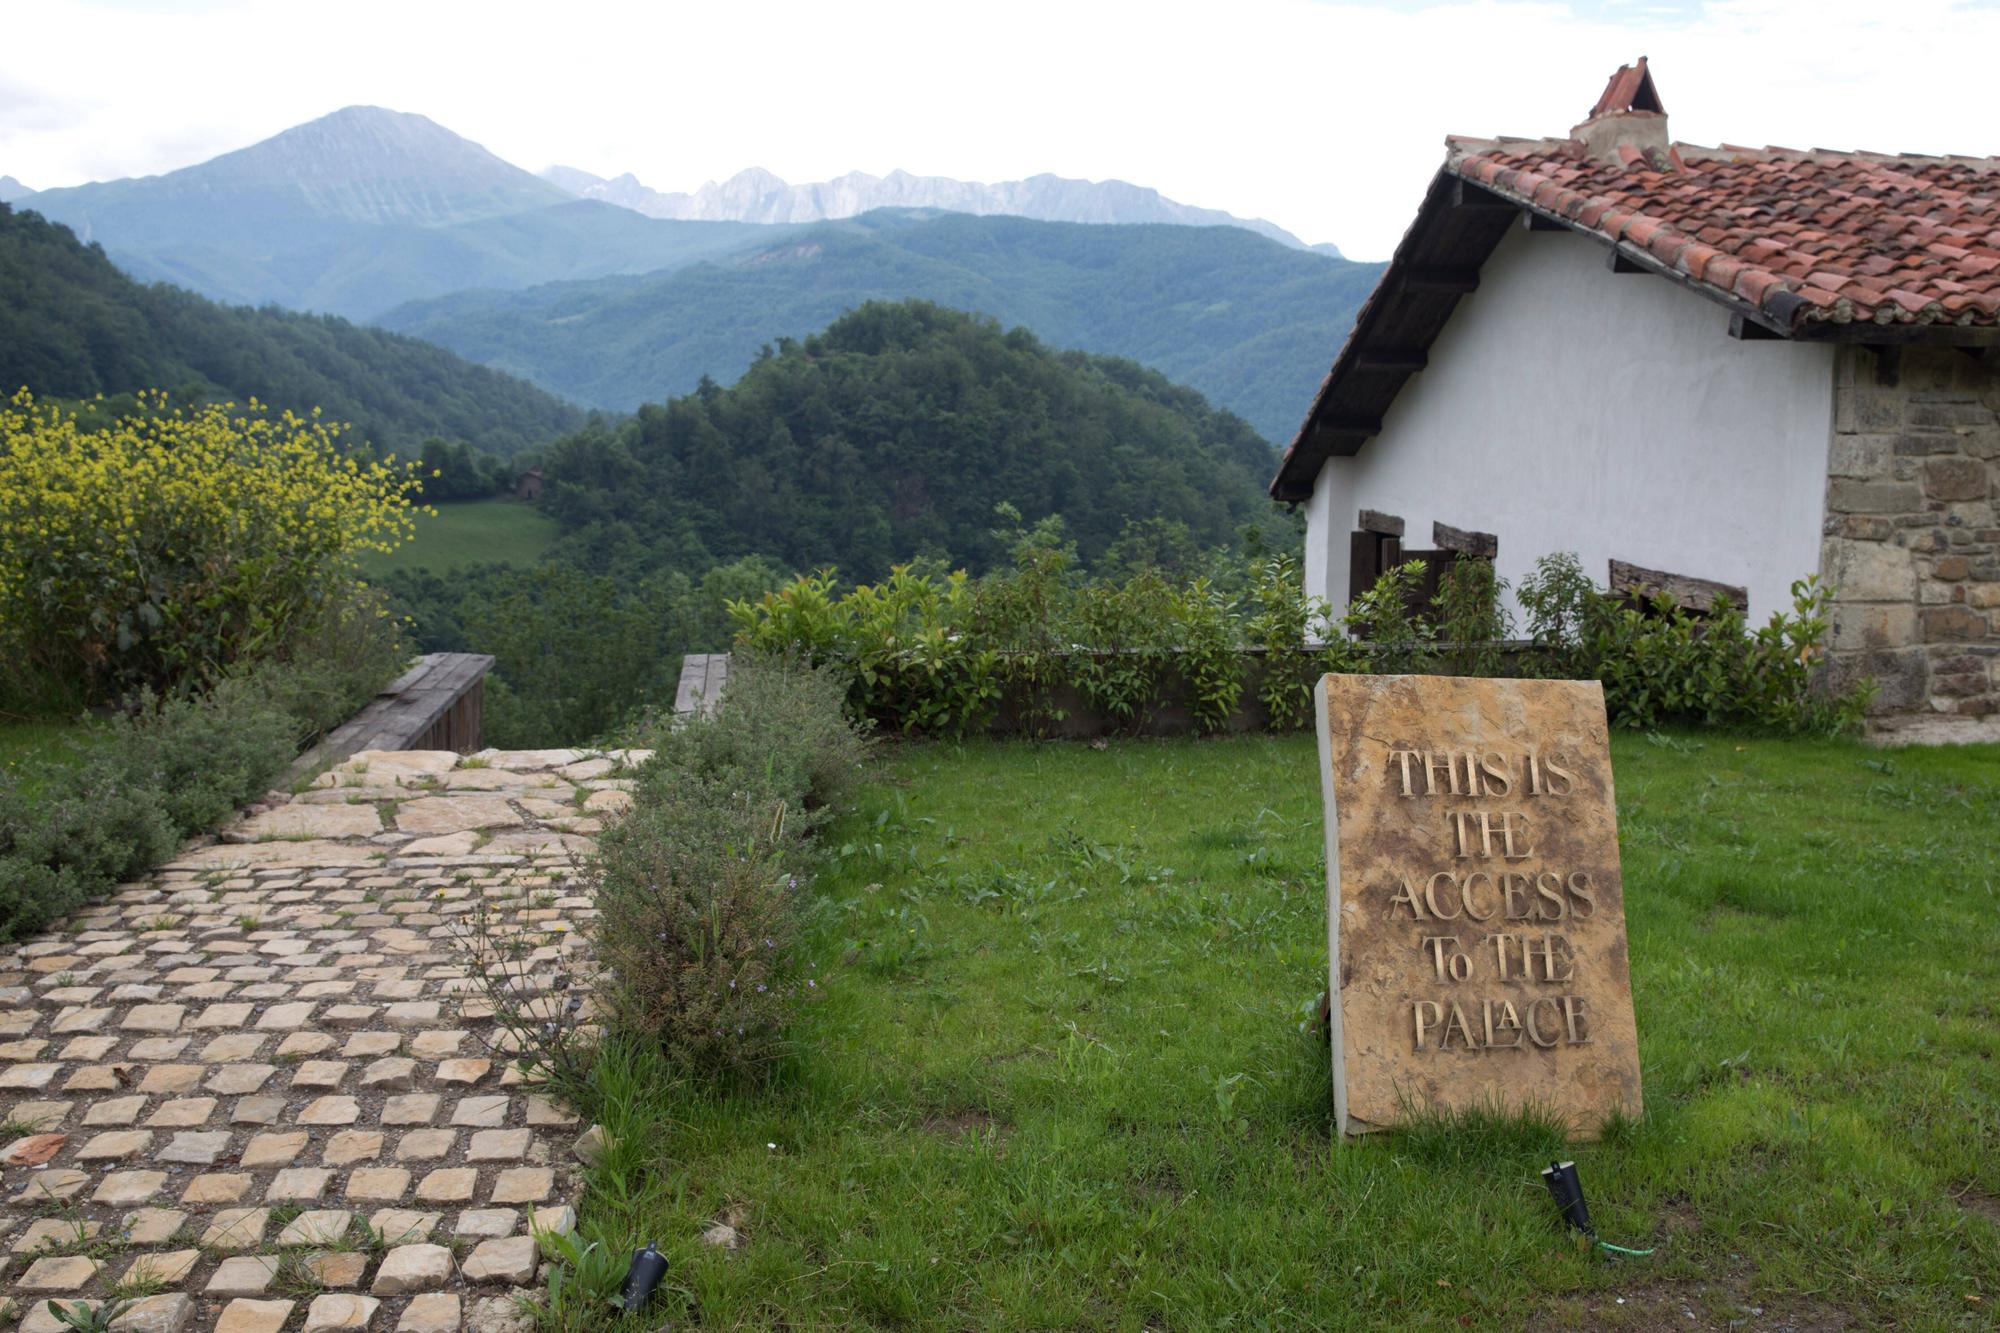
x,y
1911,542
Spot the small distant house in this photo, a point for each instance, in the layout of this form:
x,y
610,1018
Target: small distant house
x,y
1701,369
529,487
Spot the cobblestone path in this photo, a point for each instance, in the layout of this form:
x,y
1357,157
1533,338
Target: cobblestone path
x,y
260,1090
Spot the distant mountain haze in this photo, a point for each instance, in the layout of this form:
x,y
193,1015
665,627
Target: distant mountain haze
x,y
1249,323
360,164
11,190
363,210
757,195
574,283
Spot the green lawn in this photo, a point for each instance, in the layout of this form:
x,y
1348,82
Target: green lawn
x,y
471,532
26,746
1057,1080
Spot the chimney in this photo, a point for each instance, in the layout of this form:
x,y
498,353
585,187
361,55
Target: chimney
x,y
1628,124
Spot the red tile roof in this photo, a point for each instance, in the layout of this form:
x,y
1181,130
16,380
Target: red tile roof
x,y
1825,246
1807,237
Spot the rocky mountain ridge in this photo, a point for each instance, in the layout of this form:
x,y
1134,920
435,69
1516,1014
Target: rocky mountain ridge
x,y
760,196
359,164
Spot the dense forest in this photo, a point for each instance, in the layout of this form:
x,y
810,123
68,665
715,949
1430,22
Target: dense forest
x,y
1250,323
893,434
73,326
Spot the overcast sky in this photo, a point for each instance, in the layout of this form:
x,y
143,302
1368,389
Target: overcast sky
x,y
1326,118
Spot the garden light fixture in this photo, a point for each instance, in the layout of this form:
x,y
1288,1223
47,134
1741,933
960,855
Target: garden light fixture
x,y
648,1267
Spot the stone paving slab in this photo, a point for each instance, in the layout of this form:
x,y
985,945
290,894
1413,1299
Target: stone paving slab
x,y
261,1089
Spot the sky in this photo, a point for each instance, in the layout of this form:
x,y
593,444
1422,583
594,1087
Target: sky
x,y
1326,118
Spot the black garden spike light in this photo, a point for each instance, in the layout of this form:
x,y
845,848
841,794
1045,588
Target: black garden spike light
x,y
1566,1188
648,1267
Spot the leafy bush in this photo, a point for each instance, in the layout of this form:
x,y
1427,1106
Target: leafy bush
x,y
936,654
699,885
1472,621
1124,638
1558,597
1660,662
172,544
1208,658
169,768
1292,629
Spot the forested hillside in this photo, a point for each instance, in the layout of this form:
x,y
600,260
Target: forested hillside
x,y
72,325
1250,323
894,434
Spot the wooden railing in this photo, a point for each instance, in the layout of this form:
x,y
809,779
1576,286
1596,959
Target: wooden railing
x,y
702,677
435,705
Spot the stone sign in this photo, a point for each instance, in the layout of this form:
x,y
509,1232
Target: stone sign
x,y
1475,911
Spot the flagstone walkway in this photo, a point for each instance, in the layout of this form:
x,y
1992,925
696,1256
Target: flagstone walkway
x,y
260,1090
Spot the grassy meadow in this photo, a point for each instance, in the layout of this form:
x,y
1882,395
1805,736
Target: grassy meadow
x,y
28,747
1057,1076
471,532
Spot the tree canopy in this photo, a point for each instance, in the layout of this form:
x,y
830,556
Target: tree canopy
x,y
894,434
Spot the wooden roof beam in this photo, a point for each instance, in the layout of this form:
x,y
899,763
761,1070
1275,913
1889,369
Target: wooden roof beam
x,y
1455,280
1393,360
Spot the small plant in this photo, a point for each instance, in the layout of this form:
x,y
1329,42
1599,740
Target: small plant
x,y
248,922
1397,639
583,1279
85,1319
144,1281
1472,619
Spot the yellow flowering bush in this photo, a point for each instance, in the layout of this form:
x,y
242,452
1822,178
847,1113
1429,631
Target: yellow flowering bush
x,y
177,541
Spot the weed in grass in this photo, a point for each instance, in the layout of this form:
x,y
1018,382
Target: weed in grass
x,y
293,1277
142,1282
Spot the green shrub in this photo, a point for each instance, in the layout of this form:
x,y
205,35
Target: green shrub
x,y
175,543
699,886
1210,659
930,654
1661,663
1123,638
1291,628
1472,621
167,769
1558,598
1397,641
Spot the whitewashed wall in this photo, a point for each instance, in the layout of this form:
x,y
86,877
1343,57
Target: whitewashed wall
x,y
1567,407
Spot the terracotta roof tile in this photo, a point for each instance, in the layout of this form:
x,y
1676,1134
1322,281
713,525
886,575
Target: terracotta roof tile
x,y
1806,236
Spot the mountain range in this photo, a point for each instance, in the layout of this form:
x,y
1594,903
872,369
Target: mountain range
x,y
1249,323
362,210
374,214
757,195
12,190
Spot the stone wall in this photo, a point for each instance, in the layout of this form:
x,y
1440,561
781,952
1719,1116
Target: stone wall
x,y
1912,539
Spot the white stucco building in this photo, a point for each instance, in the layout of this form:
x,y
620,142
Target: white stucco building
x,y
1736,367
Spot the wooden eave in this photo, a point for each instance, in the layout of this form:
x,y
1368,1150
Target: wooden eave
x,y
1436,263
